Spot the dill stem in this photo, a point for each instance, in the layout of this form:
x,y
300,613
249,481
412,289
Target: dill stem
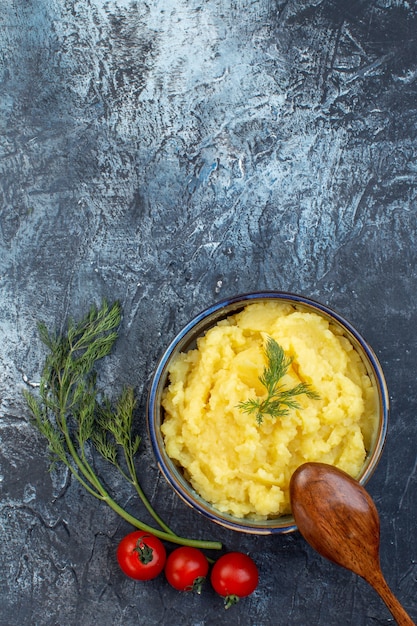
x,y
167,536
101,493
68,392
142,496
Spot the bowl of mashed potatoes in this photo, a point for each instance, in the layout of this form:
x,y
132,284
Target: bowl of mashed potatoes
x,y
250,389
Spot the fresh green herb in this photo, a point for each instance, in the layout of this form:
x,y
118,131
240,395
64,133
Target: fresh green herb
x,y
70,412
278,400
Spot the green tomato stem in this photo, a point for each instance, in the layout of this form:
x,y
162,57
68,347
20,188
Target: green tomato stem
x,y
230,601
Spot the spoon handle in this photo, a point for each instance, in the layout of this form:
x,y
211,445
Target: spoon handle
x,y
398,612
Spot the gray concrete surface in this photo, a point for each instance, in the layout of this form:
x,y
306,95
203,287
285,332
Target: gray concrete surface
x,y
170,154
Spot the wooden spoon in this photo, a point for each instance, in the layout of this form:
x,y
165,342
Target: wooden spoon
x,y
338,518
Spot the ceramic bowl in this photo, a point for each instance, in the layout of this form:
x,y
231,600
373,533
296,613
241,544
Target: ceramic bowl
x,y
186,340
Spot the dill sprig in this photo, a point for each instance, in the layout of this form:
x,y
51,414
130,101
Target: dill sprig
x,y
278,400
70,413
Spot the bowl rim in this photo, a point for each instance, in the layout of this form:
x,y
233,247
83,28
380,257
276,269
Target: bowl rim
x,y
204,320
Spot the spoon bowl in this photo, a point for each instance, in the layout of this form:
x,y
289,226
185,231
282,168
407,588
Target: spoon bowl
x,y
339,519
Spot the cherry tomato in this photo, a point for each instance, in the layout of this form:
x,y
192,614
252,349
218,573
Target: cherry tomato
x,y
186,569
234,576
141,555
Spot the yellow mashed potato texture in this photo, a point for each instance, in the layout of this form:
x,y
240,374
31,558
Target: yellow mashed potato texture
x,y
244,468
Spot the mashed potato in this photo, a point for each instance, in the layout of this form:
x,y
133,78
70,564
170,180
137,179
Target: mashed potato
x,y
244,468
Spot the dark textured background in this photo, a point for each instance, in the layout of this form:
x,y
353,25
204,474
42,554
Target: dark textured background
x,y
172,153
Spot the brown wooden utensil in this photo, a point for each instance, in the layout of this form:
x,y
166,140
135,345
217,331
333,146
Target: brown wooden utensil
x,y
338,518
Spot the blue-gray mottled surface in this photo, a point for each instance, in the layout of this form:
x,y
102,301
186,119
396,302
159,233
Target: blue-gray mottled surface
x,y
171,153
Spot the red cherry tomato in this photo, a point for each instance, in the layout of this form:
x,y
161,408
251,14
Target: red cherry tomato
x,y
234,576
141,555
186,569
